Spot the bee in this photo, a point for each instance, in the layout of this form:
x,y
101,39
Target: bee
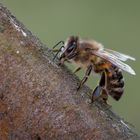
x,y
93,57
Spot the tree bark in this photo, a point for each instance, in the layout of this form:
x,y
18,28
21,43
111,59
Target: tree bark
x,y
38,98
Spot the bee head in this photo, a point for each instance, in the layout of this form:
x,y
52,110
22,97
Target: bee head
x,y
69,50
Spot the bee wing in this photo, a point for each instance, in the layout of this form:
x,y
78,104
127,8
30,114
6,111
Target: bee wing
x,y
120,56
114,60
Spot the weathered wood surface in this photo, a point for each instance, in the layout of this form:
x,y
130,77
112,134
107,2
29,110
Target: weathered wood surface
x,y
38,99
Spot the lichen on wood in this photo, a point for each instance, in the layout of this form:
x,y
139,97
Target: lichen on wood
x,y
38,98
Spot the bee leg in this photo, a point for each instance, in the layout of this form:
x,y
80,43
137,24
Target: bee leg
x,y
61,62
104,96
102,82
55,50
76,70
68,61
88,71
97,91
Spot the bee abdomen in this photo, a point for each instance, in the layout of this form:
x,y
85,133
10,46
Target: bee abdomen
x,y
115,83
116,93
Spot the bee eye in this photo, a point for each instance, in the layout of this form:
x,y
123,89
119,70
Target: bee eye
x,y
70,48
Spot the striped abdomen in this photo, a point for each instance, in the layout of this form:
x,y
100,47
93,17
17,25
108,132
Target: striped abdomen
x,y
115,82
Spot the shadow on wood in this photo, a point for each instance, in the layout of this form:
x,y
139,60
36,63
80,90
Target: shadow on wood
x,y
38,99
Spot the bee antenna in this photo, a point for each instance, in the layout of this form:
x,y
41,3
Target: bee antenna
x,y
58,44
57,52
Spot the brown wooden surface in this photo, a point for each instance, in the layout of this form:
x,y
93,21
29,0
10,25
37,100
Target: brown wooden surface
x,y
38,99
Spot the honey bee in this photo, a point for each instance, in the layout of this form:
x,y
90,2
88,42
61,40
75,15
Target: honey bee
x,y
93,57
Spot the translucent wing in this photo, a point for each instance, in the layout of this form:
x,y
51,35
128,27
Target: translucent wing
x,y
115,59
120,56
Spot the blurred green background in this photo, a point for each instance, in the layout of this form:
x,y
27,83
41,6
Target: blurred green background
x,y
114,23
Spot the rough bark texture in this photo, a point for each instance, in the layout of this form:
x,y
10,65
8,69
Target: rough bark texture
x,y
38,99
